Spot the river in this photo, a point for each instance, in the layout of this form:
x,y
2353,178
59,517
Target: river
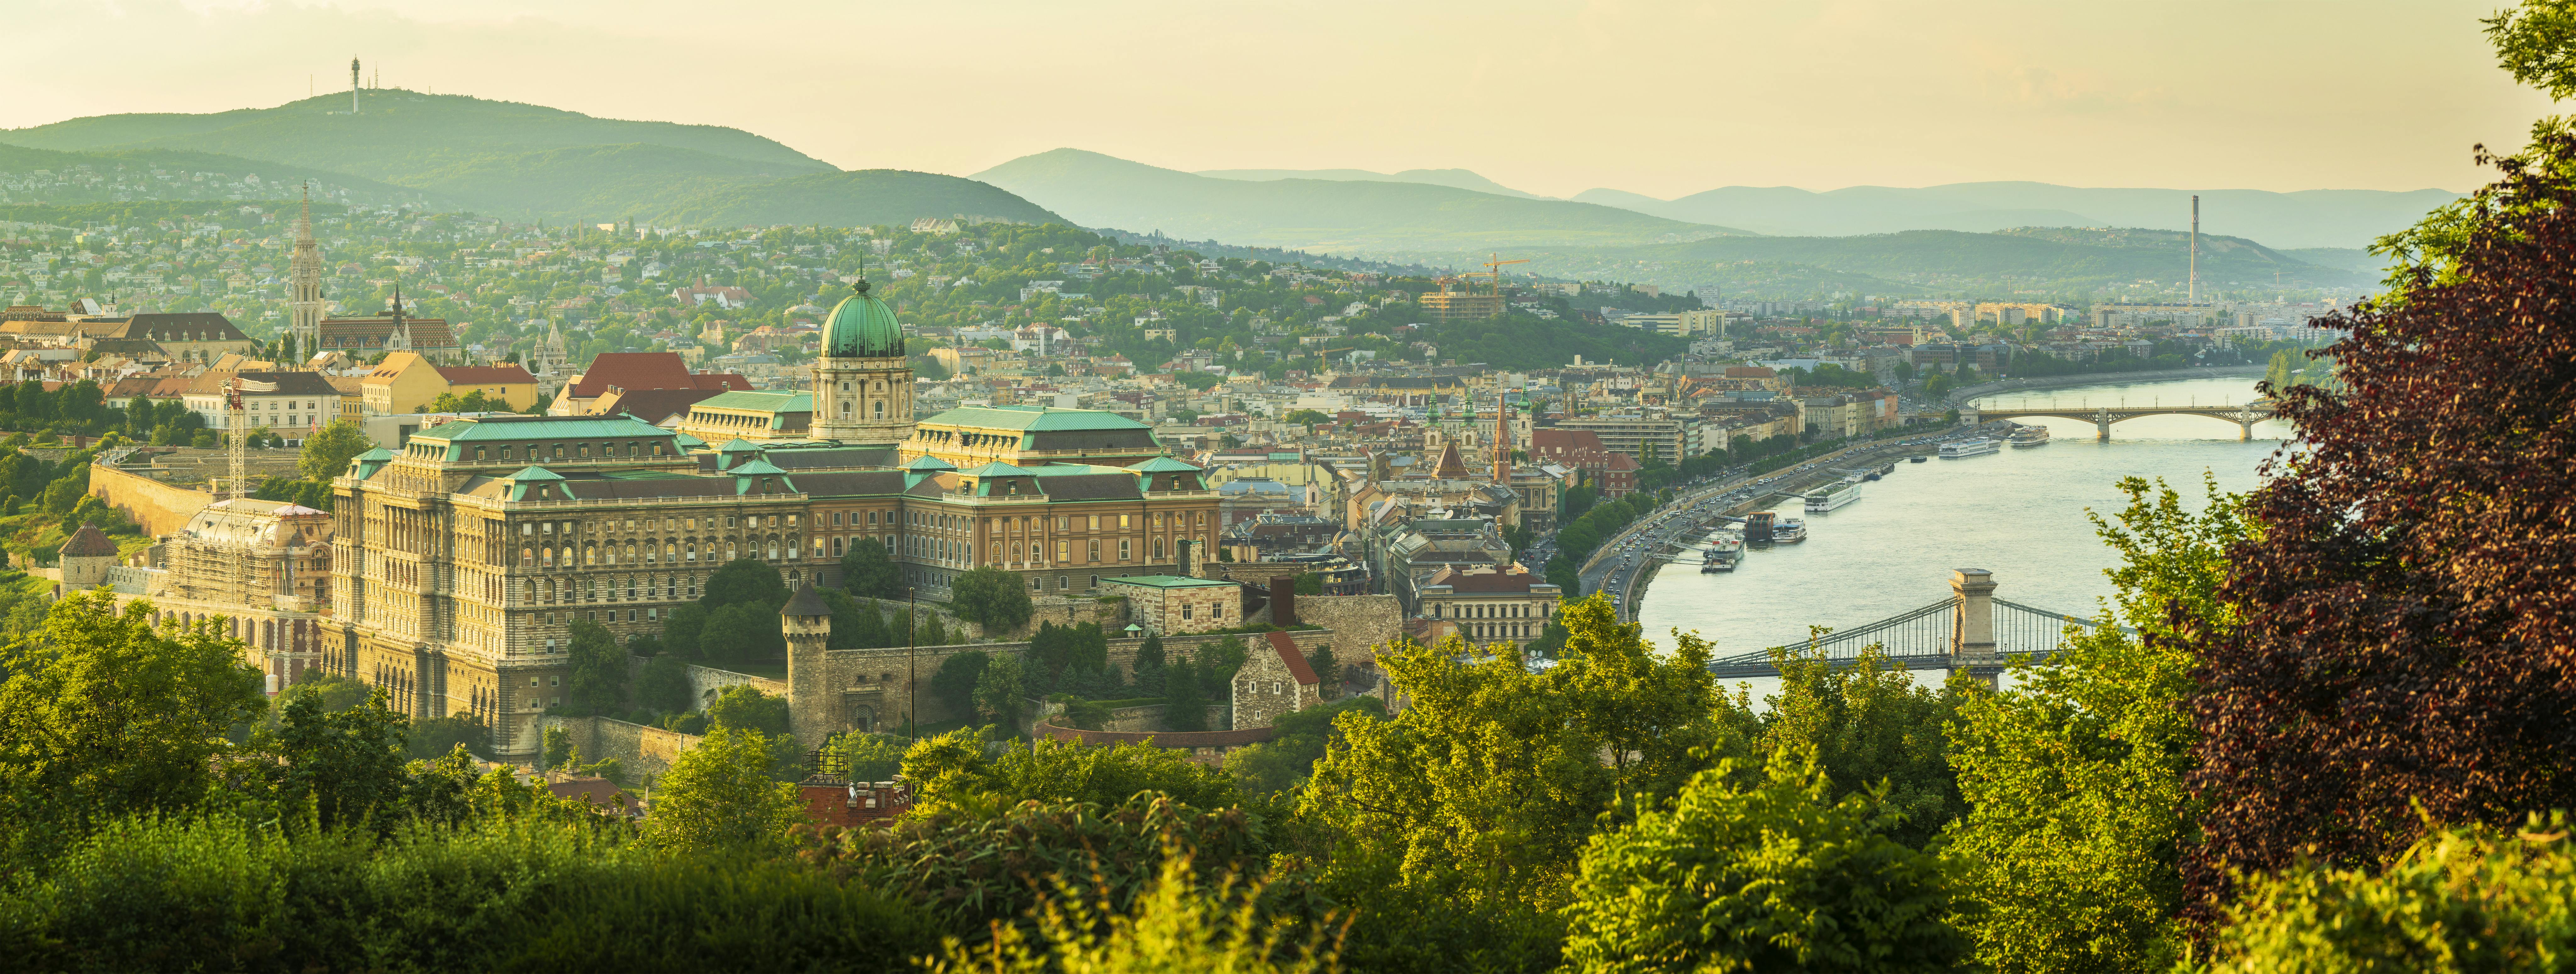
x,y
2019,513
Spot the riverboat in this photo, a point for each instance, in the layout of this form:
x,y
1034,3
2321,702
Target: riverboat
x,y
1789,531
1970,448
2029,436
1833,495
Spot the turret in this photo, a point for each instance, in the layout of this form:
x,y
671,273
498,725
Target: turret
x,y
806,621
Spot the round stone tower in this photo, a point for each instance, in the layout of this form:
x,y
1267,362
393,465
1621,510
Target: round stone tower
x,y
806,620
862,385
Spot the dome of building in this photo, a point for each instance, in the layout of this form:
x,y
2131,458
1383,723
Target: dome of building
x,y
862,327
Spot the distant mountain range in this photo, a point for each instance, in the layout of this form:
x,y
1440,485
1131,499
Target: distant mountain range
x,y
2309,218
532,162
1336,215
1453,178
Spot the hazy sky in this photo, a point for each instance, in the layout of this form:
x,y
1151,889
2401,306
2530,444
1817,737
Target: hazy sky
x,y
1664,98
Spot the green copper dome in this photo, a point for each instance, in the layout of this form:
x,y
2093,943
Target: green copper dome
x,y
862,327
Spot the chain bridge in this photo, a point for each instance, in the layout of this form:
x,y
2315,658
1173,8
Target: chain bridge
x,y
1970,630
2244,415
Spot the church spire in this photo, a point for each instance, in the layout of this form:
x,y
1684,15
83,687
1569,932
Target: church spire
x,y
304,321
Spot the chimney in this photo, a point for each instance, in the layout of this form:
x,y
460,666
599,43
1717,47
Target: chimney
x,y
1283,600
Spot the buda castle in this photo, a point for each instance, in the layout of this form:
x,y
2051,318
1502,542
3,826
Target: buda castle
x,y
462,560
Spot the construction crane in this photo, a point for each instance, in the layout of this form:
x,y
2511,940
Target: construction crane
x,y
1492,273
238,418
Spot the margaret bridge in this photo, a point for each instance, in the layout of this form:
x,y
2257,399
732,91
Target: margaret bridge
x,y
1971,630
2244,415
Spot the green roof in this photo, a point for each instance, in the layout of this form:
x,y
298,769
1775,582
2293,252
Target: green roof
x,y
998,469
379,453
757,468
928,462
1163,465
534,473
686,441
861,326
1035,419
545,428
739,446
1167,581
770,402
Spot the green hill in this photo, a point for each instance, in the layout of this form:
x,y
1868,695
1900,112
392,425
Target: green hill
x,y
400,135
279,179
1454,178
525,162
2024,259
1317,214
866,197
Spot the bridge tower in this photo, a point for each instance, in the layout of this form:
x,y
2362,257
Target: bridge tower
x,y
1972,627
2102,425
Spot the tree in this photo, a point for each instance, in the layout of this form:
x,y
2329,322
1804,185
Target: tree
x,y
1497,825
437,737
744,581
680,631
1778,876
664,685
106,716
1184,697
718,795
599,670
2074,777
957,679
994,599
327,452
1297,741
955,772
867,571
1869,726
1328,674
1001,693
2467,898
2387,666
743,708
740,633
345,766
855,624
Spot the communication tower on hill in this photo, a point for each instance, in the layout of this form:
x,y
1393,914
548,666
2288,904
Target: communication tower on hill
x,y
353,86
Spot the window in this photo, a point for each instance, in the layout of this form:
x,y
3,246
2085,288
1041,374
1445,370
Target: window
x,y
1185,610
582,451
478,453
1123,554
836,519
1095,555
505,453
872,517
1062,549
1122,520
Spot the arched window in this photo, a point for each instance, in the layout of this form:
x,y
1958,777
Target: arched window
x,y
1158,547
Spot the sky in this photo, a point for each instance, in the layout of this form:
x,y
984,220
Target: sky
x,y
1648,96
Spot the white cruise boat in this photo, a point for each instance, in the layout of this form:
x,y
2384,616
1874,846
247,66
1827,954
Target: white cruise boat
x,y
1833,495
1970,448
2028,436
1790,530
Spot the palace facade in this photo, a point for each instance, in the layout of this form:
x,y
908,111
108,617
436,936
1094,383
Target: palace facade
x,y
461,562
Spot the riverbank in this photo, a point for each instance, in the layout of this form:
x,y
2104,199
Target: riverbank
x,y
1966,394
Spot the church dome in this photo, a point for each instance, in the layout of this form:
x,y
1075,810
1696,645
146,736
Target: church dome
x,y
862,327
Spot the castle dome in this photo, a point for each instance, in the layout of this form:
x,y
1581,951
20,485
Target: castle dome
x,y
862,327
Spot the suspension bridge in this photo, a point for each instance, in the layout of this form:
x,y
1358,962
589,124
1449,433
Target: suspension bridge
x,y
2244,415
1970,630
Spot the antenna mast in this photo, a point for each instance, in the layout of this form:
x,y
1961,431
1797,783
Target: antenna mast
x,y
353,86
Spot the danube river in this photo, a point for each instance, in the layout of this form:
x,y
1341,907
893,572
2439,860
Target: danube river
x,y
2019,513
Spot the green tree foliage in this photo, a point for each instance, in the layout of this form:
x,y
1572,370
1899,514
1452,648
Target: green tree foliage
x,y
1297,741
992,598
855,624
1778,876
1184,697
664,685
198,893
957,678
106,716
1001,693
1487,785
428,740
326,453
1175,925
599,671
2075,777
870,757
1870,726
345,766
719,796
867,571
742,633
940,857
2460,900
953,770
744,581
681,629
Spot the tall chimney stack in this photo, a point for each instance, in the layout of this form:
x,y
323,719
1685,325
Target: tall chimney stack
x,y
2195,248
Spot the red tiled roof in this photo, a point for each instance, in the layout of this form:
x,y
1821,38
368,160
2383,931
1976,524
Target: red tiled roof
x,y
651,405
485,375
649,370
87,542
1296,661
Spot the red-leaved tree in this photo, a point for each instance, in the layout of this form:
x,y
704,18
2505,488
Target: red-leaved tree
x,y
2408,613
